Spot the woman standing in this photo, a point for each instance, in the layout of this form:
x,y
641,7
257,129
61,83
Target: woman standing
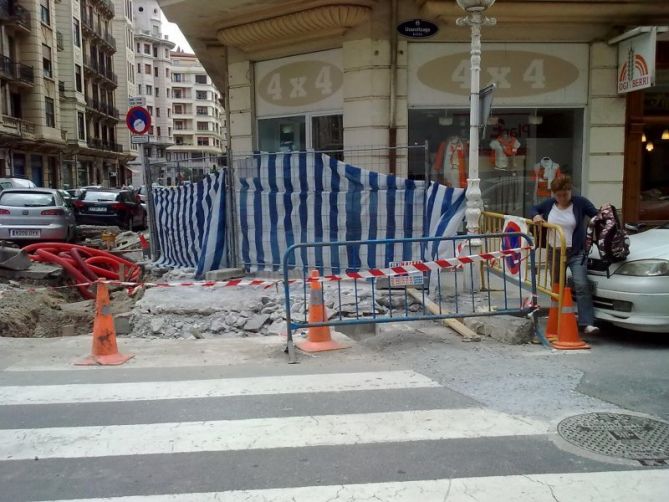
x,y
569,212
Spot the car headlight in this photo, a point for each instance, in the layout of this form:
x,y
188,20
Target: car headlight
x,y
647,268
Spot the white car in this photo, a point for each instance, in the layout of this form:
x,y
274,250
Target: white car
x,y
635,292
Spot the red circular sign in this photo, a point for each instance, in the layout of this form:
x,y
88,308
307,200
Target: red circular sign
x,y
138,120
512,242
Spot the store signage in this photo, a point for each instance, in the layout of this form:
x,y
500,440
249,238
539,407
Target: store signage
x,y
636,62
515,73
301,83
524,74
417,28
138,120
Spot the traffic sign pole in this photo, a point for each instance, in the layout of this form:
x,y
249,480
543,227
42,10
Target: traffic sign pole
x,y
153,228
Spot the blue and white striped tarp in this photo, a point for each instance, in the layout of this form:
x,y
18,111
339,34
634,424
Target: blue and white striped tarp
x,y
191,224
310,197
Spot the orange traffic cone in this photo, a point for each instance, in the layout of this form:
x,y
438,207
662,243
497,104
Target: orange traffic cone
x,y
104,351
568,338
319,338
552,324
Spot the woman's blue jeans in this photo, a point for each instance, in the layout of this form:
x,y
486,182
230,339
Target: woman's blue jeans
x,y
578,265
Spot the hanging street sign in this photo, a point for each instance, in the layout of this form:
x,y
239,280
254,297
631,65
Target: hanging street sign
x,y
138,120
636,62
136,101
417,28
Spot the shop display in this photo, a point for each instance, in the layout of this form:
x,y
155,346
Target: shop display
x,y
450,161
545,171
504,149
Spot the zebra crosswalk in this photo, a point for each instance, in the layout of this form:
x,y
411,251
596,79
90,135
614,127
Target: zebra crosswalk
x,y
390,435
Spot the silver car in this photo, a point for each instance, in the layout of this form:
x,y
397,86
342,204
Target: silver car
x,y
35,214
634,294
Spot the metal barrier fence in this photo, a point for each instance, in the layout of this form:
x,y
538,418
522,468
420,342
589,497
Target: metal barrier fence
x,y
551,256
395,295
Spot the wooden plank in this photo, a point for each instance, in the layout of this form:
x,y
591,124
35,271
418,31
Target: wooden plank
x,y
467,334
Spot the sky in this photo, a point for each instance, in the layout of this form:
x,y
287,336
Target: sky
x,y
173,31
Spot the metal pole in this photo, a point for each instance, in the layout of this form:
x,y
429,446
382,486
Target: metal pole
x,y
153,229
474,19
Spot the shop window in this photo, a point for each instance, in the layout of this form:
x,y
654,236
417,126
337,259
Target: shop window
x,y
285,134
520,152
327,134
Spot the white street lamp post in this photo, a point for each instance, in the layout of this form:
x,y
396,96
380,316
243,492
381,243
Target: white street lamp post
x,y
475,19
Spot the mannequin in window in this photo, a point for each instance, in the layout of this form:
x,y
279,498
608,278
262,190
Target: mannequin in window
x,y
504,149
450,159
545,171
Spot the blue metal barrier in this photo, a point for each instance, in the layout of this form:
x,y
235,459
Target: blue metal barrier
x,y
455,287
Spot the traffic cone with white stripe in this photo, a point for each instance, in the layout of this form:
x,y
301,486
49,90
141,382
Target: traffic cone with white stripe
x,y
568,338
552,324
318,337
104,351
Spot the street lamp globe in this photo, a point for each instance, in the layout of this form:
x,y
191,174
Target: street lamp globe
x,y
475,5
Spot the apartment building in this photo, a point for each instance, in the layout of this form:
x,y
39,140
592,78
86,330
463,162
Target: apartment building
x,y
199,121
153,79
58,92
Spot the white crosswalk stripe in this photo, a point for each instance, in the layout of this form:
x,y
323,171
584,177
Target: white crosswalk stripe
x,y
89,449
570,487
189,389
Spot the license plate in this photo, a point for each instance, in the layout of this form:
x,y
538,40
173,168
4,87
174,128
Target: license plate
x,y
98,209
25,233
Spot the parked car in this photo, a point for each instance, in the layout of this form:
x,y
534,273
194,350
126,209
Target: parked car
x,y
106,206
634,293
15,183
31,214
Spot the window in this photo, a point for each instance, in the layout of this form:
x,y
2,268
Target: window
x,y
81,126
201,95
76,32
139,47
169,112
158,114
155,71
77,77
46,60
202,110
149,90
50,112
139,89
178,109
158,133
147,69
169,129
200,79
282,134
202,126
45,13
147,49
202,141
178,77
157,91
167,53
168,92
167,73
151,130
150,108
155,52
177,94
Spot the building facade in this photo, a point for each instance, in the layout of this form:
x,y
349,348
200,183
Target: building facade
x,y
329,75
153,83
59,104
199,121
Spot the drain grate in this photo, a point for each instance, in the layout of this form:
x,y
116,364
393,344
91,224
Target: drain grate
x,y
619,435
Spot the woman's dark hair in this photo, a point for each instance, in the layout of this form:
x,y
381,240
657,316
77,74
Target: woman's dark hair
x,y
562,182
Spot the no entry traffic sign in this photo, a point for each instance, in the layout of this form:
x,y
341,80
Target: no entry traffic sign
x,y
138,120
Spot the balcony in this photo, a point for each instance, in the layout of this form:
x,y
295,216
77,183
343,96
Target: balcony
x,y
107,6
93,68
100,144
102,108
91,30
19,126
14,15
16,72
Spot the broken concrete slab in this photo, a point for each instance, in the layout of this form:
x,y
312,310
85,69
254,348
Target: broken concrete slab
x,y
14,259
256,322
503,328
85,307
36,272
224,274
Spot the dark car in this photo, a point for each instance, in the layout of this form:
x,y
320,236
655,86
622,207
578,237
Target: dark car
x,y
110,207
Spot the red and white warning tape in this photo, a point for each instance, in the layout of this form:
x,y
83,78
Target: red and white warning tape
x,y
374,273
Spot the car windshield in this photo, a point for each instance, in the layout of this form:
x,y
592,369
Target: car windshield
x,y
27,199
100,196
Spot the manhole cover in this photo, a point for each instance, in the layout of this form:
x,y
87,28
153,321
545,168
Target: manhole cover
x,y
618,435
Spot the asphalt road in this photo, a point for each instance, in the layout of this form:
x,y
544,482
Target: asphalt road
x,y
412,413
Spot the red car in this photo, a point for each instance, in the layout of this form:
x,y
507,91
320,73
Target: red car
x,y
122,208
